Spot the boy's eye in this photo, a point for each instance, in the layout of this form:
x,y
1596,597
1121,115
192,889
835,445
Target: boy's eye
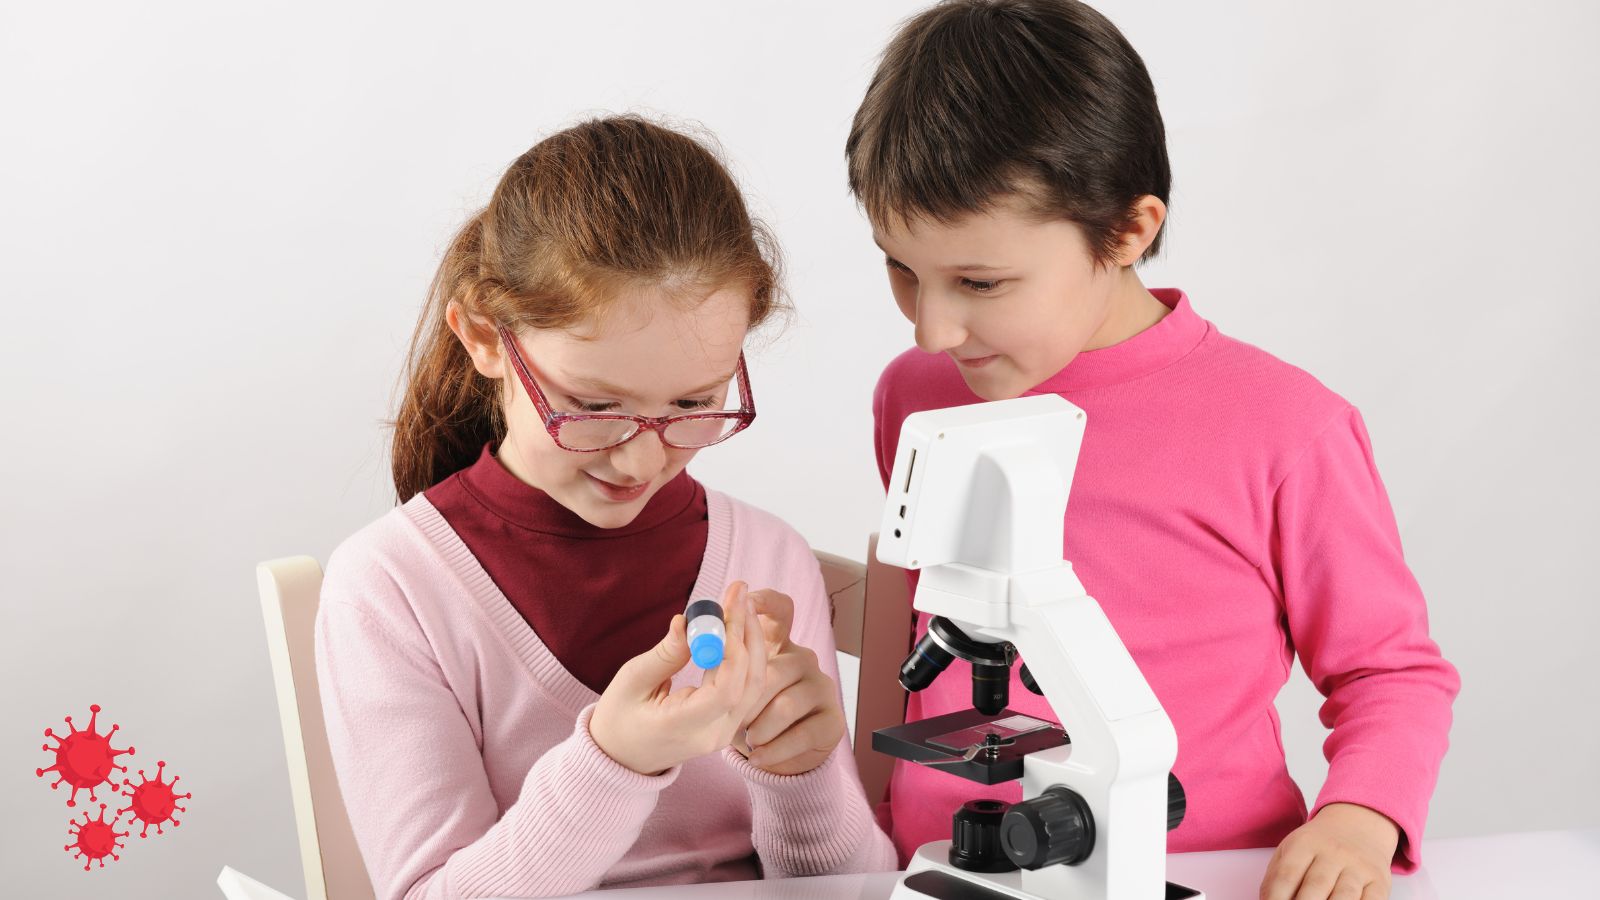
x,y
982,287
898,266
703,403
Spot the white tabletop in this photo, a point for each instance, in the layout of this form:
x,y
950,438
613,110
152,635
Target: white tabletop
x,y
1547,865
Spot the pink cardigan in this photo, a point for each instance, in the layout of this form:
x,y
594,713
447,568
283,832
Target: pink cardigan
x,y
463,751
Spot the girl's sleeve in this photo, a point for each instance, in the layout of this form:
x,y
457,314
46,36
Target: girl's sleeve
x,y
817,822
1359,622
414,786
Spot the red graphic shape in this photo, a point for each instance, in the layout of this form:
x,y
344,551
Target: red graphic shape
x,y
84,759
96,838
154,801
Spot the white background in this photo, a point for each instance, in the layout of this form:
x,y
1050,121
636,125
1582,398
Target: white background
x,y
218,225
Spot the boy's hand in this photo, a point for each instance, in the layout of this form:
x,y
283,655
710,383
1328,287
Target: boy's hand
x,y
1343,853
798,720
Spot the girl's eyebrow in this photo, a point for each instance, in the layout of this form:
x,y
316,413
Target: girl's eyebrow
x,y
605,387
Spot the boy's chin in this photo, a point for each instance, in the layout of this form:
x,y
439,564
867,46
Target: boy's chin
x,y
996,386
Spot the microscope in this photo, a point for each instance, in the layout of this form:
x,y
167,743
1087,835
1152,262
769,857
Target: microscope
x,y
976,502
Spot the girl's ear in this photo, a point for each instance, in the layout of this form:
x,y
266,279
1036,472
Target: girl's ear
x,y
1149,213
480,338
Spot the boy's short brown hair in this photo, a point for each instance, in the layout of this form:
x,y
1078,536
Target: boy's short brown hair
x,y
976,100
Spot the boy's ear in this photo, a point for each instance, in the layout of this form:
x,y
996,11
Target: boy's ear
x,y
480,338
1149,212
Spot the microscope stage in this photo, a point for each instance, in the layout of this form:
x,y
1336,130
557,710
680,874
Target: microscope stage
x,y
943,739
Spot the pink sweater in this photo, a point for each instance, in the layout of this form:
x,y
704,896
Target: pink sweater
x,y
462,746
1227,514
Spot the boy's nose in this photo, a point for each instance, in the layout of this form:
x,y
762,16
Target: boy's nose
x,y
937,328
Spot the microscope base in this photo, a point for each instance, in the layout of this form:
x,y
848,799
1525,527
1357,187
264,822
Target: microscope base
x,y
931,877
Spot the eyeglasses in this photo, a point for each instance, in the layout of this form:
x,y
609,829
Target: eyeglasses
x,y
591,432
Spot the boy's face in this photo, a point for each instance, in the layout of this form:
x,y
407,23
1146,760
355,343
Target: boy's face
x,y
1011,299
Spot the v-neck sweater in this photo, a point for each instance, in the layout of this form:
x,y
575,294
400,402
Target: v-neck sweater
x,y
462,747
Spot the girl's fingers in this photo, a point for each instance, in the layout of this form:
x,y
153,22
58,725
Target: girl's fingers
x,y
645,675
783,672
755,664
808,735
733,611
732,633
788,707
776,615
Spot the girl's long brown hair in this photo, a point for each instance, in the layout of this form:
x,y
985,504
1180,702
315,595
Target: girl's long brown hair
x,y
584,214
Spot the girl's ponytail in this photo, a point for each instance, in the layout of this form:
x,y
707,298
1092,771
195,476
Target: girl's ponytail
x,y
448,411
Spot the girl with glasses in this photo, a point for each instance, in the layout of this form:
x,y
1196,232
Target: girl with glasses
x,y
502,658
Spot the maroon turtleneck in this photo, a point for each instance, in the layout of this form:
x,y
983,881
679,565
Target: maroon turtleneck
x,y
596,597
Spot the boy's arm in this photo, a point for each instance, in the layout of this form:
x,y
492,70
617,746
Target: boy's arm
x,y
1359,622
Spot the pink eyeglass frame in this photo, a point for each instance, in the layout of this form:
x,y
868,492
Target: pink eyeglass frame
x,y
554,420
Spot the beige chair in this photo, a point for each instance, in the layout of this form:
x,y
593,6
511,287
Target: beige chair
x,y
290,590
877,631
872,621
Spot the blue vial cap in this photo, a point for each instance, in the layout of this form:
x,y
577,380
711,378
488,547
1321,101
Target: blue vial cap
x,y
706,651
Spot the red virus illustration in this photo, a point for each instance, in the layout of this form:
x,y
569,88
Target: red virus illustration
x,y
84,759
96,838
153,801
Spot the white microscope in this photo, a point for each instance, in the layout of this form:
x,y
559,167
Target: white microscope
x,y
976,502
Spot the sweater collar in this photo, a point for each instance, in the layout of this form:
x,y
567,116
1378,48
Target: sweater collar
x,y
1152,349
490,483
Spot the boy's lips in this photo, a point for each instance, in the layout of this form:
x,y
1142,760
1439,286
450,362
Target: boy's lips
x,y
977,362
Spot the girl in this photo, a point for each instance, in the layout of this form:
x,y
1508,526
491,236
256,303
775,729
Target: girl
x,y
505,714
1225,511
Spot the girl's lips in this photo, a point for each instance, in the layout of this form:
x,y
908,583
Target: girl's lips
x,y
617,493
977,362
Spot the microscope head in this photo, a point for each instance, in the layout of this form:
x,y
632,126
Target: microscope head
x,y
953,498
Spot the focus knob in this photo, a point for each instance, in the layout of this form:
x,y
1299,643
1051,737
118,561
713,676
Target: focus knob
x,y
1177,803
1054,827
975,841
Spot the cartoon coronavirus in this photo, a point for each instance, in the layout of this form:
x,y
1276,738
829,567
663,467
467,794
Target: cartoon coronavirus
x,y
153,802
95,839
84,759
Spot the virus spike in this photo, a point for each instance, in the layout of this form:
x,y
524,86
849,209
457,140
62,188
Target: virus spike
x,y
96,838
84,759
152,801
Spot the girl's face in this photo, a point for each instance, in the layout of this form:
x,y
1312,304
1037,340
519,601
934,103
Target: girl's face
x,y
651,356
1011,299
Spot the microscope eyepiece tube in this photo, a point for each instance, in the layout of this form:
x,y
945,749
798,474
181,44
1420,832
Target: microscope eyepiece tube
x,y
705,632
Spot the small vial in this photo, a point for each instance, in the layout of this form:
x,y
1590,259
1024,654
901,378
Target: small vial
x,y
705,632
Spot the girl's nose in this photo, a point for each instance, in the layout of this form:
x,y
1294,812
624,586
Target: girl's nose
x,y
938,327
641,458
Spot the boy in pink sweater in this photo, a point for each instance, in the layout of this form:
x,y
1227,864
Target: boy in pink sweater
x,y
503,661
1226,511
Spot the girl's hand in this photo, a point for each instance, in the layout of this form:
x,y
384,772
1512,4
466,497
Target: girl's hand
x,y
1343,853
798,720
645,725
